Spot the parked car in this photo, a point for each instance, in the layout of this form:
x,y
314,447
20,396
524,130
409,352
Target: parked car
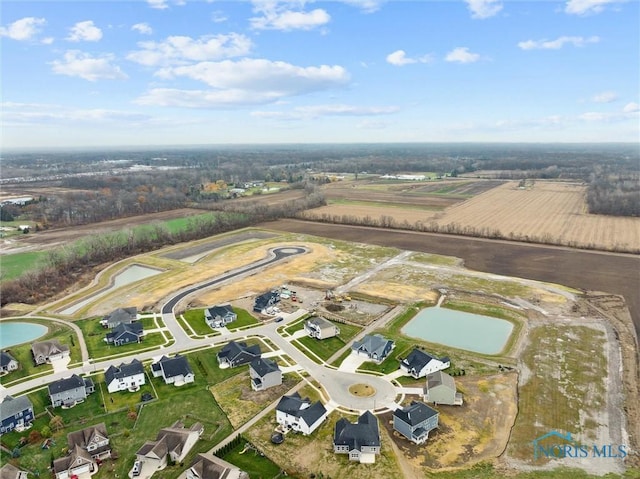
x,y
278,319
137,467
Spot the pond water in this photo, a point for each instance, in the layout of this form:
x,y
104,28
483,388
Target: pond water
x,y
458,329
18,333
130,275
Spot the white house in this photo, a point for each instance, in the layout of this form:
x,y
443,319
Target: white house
x,y
299,414
219,316
125,377
418,364
175,370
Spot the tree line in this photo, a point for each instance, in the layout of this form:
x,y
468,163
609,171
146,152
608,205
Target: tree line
x,y
614,195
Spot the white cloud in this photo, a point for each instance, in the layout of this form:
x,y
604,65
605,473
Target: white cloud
x,y
275,17
629,111
605,97
244,82
38,113
585,7
83,65
23,29
48,40
316,111
178,49
557,43
367,6
462,55
631,108
142,28
482,9
218,17
158,4
84,31
400,58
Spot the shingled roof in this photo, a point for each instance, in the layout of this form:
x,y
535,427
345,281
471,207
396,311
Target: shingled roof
x,y
123,371
11,406
415,414
262,367
363,433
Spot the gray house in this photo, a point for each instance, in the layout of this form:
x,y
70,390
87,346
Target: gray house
x,y
15,413
237,353
9,471
47,351
441,389
219,316
212,467
125,334
7,362
321,328
78,462
93,439
374,346
419,363
415,421
120,316
360,440
70,391
264,373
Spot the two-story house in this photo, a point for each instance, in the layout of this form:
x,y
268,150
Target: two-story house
x,y
77,463
264,373
219,316
212,467
120,316
125,334
266,300
174,442
320,328
237,353
175,370
441,389
419,363
70,391
361,441
415,421
93,439
125,377
300,415
7,363
374,347
46,351
15,413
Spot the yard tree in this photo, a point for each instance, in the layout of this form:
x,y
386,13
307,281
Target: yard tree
x,y
56,423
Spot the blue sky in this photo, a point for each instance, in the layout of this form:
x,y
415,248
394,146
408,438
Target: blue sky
x,y
180,72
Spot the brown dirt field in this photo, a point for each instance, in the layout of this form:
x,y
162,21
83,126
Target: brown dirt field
x,y
357,192
359,211
551,211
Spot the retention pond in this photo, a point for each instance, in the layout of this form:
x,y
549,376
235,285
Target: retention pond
x,y
18,333
473,332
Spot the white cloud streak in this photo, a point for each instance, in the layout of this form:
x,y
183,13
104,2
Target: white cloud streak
x,y
83,65
280,17
142,28
399,58
24,29
605,97
557,43
84,32
462,55
481,9
586,7
317,111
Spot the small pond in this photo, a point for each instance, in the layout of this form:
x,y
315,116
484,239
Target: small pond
x,y
18,333
473,332
130,275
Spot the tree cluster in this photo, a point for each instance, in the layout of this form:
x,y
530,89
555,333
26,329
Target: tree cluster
x,y
614,195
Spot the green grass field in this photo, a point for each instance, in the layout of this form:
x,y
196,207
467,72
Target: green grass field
x,y
249,460
14,265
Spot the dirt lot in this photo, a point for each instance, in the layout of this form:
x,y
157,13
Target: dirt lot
x,y
360,211
381,193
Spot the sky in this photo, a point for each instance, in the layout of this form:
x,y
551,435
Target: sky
x,y
183,72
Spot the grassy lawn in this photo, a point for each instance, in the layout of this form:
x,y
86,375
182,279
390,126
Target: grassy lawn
x,y
325,348
64,334
195,319
249,460
296,326
15,265
434,259
338,361
243,320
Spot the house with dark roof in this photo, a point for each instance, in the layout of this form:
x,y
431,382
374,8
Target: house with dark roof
x,y
374,347
415,421
419,363
212,467
70,391
9,471
174,442
125,377
299,414
441,389
7,363
237,353
15,413
120,316
175,370
46,351
361,441
266,300
93,439
264,373
320,328
125,334
78,462
219,316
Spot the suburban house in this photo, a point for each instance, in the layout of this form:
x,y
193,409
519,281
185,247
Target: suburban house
x,y
320,328
266,300
15,413
125,377
78,462
174,442
120,316
374,346
300,414
360,440
47,351
235,354
415,421
418,363
93,439
264,373
7,362
441,389
212,467
9,471
70,391
125,334
175,370
219,316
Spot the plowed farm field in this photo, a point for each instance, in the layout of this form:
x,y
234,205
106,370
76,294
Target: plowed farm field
x,y
552,212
